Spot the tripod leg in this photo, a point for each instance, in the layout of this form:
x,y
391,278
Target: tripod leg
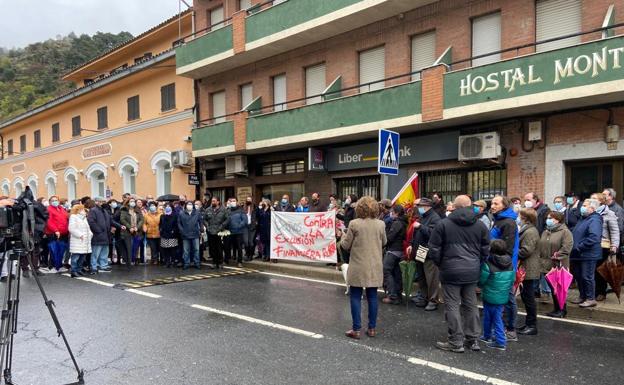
x,y
9,319
50,305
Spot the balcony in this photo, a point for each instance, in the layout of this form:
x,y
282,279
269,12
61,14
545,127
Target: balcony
x,y
359,115
214,139
280,28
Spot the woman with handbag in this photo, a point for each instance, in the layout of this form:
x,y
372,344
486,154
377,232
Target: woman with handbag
x,y
529,257
609,242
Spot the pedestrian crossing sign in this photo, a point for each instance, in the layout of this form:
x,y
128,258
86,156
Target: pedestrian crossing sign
x,y
388,156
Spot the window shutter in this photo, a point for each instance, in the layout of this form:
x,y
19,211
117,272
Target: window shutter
x,y
167,97
372,68
76,126
133,108
56,132
246,94
102,114
216,18
555,18
37,138
10,146
423,52
279,92
218,106
244,4
315,83
486,38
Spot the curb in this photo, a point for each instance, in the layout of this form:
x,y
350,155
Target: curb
x,y
330,274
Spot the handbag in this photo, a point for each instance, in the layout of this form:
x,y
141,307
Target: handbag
x,y
605,243
421,253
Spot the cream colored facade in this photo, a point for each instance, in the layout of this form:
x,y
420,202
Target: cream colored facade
x,y
125,156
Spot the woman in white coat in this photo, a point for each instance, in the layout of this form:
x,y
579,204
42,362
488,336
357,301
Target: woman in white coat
x,y
80,239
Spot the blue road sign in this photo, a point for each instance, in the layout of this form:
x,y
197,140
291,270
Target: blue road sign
x,y
388,155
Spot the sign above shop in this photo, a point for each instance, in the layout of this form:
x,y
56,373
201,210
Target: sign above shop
x,y
99,150
242,193
316,159
60,165
18,168
412,149
388,154
193,180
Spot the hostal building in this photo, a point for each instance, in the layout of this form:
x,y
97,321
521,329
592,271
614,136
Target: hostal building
x,y
489,96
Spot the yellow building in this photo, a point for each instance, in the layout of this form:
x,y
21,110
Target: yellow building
x,y
125,127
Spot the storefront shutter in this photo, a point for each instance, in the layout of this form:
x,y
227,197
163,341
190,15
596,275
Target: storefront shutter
x,y
423,52
486,38
315,83
279,92
246,95
372,69
216,18
218,106
555,18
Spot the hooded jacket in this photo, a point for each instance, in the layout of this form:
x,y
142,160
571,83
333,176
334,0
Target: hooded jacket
x,y
396,235
458,245
505,228
428,221
497,277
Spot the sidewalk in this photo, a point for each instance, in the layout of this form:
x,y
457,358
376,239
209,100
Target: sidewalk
x,y
609,311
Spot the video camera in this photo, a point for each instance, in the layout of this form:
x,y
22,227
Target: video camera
x,y
14,220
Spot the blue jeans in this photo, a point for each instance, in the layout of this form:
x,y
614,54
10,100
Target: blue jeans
x,y
493,319
511,309
189,244
356,306
99,257
77,261
584,274
544,285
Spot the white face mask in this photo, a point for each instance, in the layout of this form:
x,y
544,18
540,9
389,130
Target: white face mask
x,y
82,214
189,208
197,207
528,204
448,213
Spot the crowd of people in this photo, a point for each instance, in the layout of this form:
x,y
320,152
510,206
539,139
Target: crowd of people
x,y
472,248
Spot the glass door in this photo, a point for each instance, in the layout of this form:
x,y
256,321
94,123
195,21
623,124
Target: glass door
x,y
589,177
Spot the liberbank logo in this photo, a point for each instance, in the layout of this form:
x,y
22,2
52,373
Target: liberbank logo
x,y
349,158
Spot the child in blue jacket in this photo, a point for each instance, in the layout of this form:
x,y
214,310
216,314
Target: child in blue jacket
x,y
497,278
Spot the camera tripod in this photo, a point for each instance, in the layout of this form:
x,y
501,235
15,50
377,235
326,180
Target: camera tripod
x,y
8,326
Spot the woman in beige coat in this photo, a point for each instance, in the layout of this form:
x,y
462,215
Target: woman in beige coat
x,y
365,239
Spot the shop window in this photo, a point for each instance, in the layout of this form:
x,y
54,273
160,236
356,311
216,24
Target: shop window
x,y
277,168
275,192
361,186
294,167
479,184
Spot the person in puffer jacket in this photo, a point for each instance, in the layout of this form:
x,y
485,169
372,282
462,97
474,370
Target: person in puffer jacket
x,y
80,239
238,222
497,278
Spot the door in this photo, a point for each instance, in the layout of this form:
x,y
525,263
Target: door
x,y
585,178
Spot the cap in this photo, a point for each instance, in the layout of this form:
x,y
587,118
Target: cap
x,y
425,202
387,203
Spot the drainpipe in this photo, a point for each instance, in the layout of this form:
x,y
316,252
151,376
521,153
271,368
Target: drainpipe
x,y
198,188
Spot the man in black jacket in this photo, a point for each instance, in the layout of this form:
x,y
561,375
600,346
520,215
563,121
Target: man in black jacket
x,y
458,246
394,254
429,275
532,201
101,224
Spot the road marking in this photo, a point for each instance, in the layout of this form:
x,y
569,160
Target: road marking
x,y
102,283
144,293
259,321
183,278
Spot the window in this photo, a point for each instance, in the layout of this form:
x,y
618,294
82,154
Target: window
x,y
275,192
50,183
278,168
129,180
294,167
555,18
161,166
423,52
486,38
56,133
279,93
23,144
102,117
10,147
167,97
246,95
368,185
372,69
76,129
244,4
315,83
37,139
133,108
480,184
96,175
216,18
218,106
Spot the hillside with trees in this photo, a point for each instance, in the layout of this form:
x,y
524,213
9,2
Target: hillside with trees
x,y
30,76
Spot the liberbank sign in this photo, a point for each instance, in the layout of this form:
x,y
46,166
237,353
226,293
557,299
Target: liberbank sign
x,y
596,62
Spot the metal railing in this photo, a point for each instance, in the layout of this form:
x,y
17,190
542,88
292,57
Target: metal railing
x,y
204,31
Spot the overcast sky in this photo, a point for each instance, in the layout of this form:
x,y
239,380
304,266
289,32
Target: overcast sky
x,y
28,21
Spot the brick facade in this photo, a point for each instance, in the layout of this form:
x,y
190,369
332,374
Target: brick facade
x,y
433,87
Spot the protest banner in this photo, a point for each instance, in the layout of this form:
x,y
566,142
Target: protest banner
x,y
306,237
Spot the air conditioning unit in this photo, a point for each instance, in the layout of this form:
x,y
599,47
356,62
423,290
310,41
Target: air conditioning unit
x,y
236,165
181,159
479,146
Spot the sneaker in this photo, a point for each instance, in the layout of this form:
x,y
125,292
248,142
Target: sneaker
x,y
588,303
577,301
472,345
484,339
431,306
511,336
62,270
496,345
446,346
106,269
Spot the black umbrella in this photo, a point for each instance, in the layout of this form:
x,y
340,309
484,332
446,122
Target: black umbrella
x,y
168,198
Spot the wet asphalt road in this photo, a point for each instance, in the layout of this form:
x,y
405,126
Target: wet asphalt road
x,y
120,337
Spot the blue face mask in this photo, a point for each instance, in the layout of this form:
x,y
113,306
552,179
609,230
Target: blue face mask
x,y
584,211
421,211
284,201
152,209
558,206
519,221
570,200
475,209
168,211
54,203
550,222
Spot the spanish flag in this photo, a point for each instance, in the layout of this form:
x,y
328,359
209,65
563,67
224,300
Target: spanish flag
x,y
408,194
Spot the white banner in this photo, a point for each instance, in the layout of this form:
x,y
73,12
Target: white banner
x,y
306,237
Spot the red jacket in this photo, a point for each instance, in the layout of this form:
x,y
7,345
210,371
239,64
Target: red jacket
x,y
58,221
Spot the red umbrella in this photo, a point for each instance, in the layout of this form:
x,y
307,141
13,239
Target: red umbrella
x,y
520,274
